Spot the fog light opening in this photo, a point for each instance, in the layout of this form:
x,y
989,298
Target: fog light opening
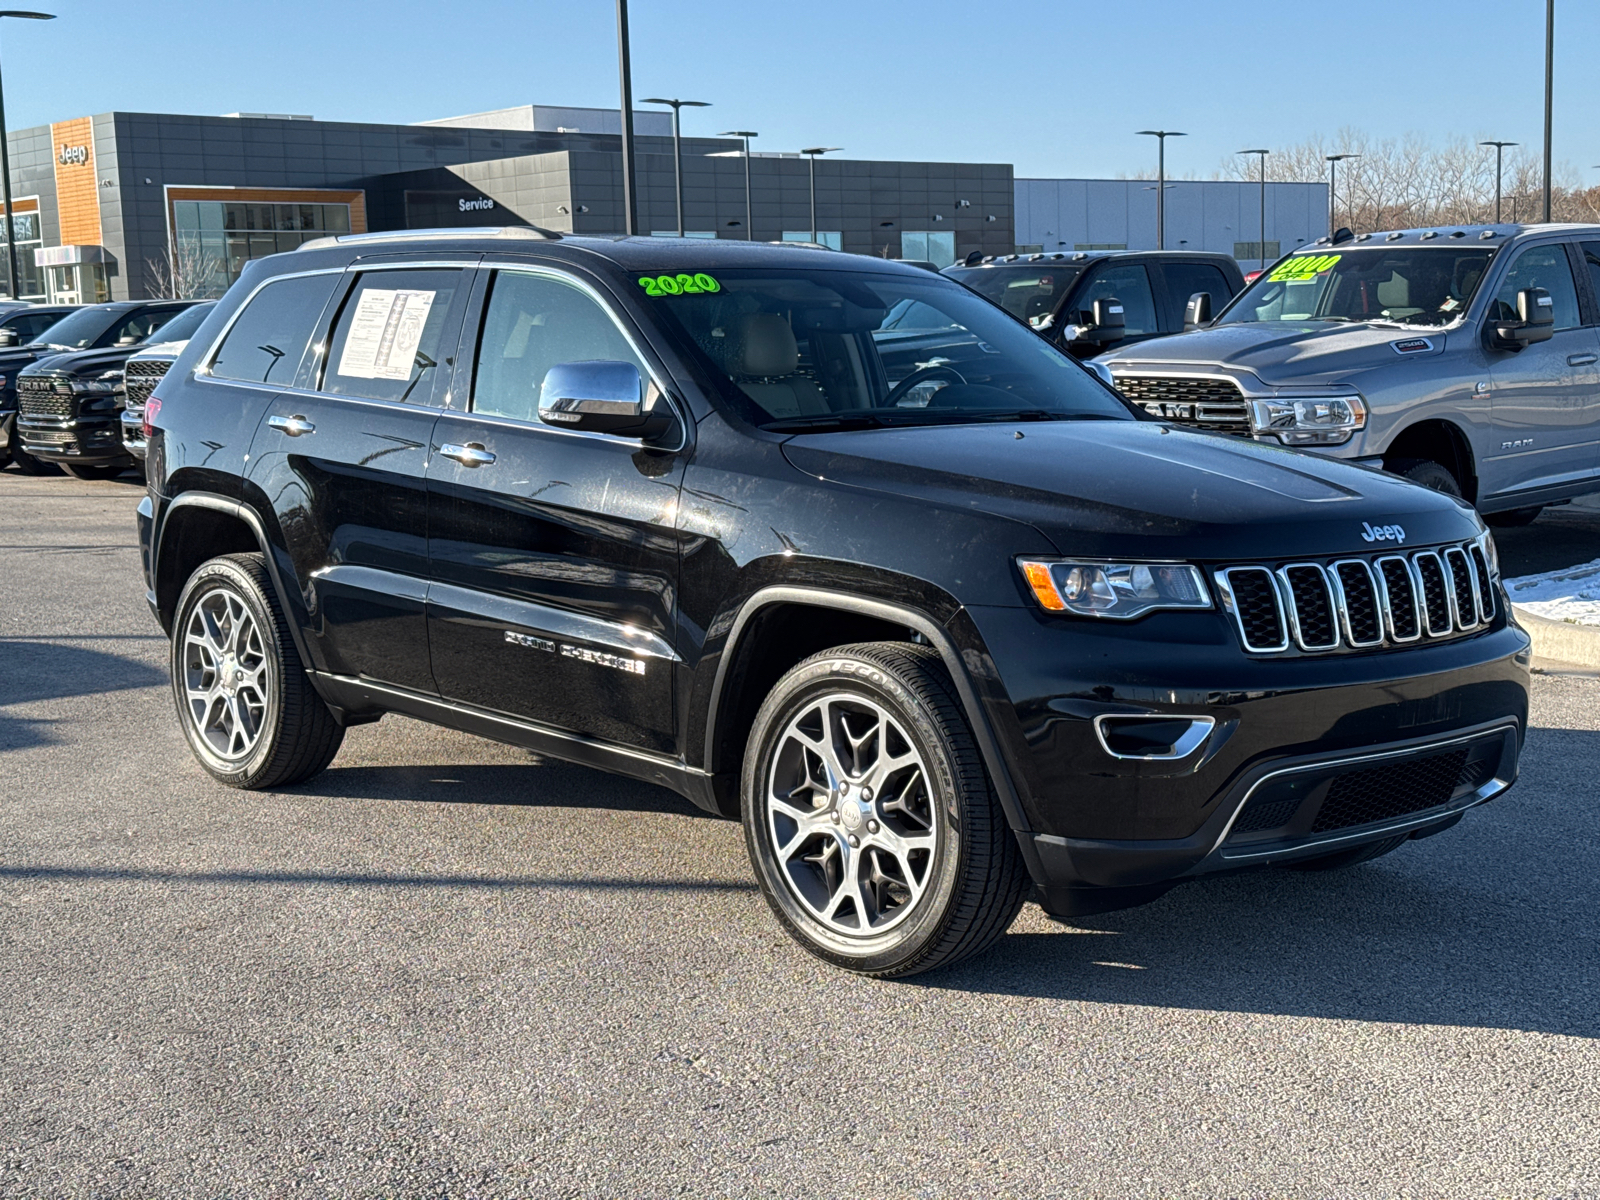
x,y
1152,738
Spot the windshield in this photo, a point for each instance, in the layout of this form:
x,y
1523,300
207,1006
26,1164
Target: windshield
x,y
1029,292
824,348
79,330
182,327
1408,285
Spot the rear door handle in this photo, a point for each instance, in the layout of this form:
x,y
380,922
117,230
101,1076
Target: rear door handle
x,y
1581,360
293,426
471,455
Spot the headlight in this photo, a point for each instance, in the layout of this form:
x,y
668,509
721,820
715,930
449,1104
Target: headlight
x,y
1120,591
93,387
1312,421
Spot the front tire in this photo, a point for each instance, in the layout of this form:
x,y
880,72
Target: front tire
x,y
28,464
872,826
244,700
1428,473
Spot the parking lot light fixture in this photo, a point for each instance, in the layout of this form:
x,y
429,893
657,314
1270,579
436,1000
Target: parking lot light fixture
x,y
1161,136
812,153
1333,188
749,216
677,146
1261,246
1499,158
5,157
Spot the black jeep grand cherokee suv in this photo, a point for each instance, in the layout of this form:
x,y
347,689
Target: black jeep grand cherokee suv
x,y
939,623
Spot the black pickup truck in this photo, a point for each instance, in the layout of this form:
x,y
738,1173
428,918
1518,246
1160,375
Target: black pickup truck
x,y
945,628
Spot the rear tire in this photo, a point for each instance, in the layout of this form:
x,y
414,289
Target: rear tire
x,y
244,700
98,471
1516,518
1428,473
872,826
1340,859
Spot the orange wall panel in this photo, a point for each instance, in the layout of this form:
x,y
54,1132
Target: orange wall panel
x,y
77,184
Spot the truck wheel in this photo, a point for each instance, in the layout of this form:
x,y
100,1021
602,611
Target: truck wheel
x,y
244,700
29,465
1341,859
98,471
1516,518
1428,473
872,826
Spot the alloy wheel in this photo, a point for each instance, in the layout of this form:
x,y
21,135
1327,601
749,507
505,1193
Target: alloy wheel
x,y
226,680
850,814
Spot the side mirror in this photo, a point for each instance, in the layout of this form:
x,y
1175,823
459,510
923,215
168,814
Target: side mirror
x,y
128,340
1197,312
8,337
602,397
1535,321
1107,324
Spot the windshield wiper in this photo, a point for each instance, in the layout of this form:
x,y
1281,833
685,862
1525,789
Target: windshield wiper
x,y
831,421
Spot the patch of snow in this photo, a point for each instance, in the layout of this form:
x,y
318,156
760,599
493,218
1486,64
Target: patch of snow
x,y
1571,594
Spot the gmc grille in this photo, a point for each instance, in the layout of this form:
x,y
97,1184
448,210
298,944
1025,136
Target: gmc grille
x,y
1205,403
1359,603
44,396
139,379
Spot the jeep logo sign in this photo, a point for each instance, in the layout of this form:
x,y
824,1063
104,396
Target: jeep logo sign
x,y
1383,533
73,156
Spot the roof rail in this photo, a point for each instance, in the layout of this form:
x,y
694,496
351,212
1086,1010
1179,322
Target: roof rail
x,y
530,232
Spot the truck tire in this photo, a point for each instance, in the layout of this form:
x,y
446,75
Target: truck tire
x,y
28,464
1428,473
244,700
1340,859
871,823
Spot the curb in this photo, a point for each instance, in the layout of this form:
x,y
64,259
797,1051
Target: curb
x,y
1569,645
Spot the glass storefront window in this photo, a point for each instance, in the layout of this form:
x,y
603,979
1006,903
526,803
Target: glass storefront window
x,y
216,238
30,276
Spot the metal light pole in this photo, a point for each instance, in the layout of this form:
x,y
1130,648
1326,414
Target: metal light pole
x,y
1549,93
677,146
1262,244
5,161
1333,188
1499,157
630,211
749,218
812,153
1161,136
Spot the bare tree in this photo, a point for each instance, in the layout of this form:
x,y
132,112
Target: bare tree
x,y
183,272
1404,183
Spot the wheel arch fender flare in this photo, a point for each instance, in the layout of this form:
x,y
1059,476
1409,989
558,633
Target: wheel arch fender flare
x,y
937,636
1452,427
288,598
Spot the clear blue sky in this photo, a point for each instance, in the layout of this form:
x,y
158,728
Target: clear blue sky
x,y
1055,88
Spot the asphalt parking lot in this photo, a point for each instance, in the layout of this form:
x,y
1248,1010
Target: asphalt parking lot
x,y
448,968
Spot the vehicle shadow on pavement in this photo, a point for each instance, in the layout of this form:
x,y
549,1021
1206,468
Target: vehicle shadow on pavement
x,y
32,671
1490,924
538,782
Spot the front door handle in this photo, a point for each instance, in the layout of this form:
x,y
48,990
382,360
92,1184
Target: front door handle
x,y
293,426
1581,360
471,455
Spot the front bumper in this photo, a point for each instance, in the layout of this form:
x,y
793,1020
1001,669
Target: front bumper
x,y
1303,723
133,431
90,441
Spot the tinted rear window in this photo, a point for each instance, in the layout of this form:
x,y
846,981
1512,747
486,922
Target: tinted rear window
x,y
267,342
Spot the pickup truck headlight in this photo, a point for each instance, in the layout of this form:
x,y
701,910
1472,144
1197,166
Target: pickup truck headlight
x,y
1309,421
1120,591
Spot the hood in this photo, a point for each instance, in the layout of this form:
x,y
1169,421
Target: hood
x,y
84,363
17,358
160,352
1286,352
1141,488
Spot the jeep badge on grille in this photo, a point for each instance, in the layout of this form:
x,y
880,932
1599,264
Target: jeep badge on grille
x,y
1382,533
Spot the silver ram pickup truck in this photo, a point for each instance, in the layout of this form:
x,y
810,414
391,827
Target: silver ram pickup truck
x,y
1467,359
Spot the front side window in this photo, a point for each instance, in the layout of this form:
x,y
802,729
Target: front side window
x,y
26,326
1184,279
1544,267
1130,283
1030,293
1403,285
137,326
831,348
394,331
269,338
80,330
534,322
